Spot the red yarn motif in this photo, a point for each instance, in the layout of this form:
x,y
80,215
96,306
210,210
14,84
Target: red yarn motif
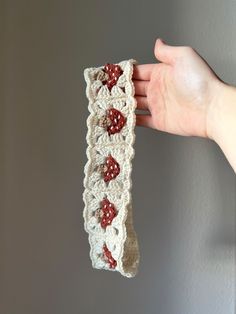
x,y
117,121
114,71
111,169
108,212
108,257
113,121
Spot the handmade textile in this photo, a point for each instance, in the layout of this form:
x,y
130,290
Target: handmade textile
x,y
107,195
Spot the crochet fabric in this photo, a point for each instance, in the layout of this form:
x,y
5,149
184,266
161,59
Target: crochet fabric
x,y
110,137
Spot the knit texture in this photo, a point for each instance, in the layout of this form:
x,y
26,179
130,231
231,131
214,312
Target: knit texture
x,y
120,236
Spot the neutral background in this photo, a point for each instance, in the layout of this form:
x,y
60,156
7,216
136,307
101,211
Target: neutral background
x,y
183,188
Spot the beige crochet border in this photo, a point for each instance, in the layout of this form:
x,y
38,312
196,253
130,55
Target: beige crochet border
x,y
120,237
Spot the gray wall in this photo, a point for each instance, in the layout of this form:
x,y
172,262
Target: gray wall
x,y
183,188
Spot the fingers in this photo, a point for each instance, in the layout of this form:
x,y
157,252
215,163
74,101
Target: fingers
x,y
145,121
164,52
142,72
140,87
142,103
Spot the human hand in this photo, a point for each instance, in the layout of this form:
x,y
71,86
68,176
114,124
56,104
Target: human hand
x,y
178,92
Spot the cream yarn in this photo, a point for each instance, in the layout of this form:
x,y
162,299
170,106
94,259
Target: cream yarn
x,y
119,237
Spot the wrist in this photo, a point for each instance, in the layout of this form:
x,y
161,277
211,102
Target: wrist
x,y
221,111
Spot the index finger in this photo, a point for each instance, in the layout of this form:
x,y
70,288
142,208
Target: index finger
x,y
142,71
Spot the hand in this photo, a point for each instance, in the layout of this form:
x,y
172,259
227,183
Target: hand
x,y
178,92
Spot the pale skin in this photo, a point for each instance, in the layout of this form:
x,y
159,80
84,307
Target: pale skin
x,y
182,95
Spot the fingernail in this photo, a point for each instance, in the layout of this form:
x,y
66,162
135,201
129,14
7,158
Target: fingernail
x,y
162,40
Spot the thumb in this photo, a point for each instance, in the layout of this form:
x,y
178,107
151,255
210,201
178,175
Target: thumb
x,y
164,52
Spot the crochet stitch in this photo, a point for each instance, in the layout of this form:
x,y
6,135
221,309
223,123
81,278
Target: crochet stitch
x,y
107,195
